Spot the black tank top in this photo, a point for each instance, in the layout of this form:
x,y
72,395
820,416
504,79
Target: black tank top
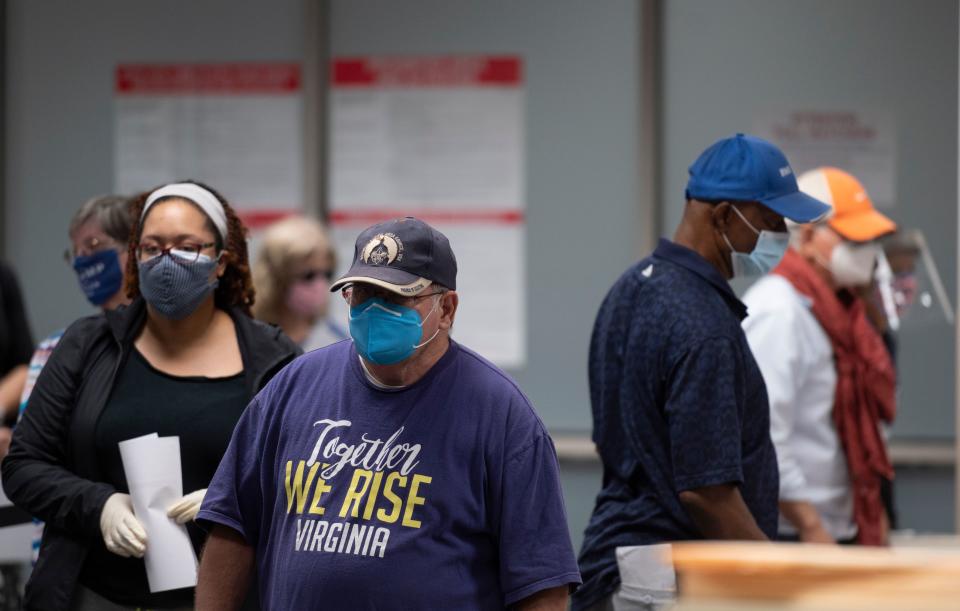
x,y
202,412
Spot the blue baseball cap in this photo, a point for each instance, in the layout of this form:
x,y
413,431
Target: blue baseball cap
x,y
747,168
404,255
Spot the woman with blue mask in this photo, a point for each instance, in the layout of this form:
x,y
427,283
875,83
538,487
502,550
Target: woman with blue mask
x,y
98,233
182,359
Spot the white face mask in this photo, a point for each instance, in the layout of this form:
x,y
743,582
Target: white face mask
x,y
852,264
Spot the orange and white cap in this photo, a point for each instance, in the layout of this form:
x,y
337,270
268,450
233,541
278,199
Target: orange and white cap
x,y
852,213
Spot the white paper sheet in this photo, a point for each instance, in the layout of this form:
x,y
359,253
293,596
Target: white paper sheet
x,y
152,466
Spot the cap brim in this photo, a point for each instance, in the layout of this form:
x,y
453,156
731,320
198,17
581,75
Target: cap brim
x,y
862,226
390,278
798,207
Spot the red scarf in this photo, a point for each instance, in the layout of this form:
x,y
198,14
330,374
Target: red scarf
x,y
865,390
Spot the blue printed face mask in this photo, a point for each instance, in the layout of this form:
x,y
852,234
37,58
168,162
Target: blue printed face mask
x,y
385,333
174,284
99,274
766,255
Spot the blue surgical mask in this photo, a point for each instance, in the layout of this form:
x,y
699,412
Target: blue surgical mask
x,y
175,286
99,274
385,333
766,255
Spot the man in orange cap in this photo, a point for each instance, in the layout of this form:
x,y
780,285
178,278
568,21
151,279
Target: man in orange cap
x,y
829,376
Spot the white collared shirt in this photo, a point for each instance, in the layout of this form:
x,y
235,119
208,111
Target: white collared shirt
x,y
796,359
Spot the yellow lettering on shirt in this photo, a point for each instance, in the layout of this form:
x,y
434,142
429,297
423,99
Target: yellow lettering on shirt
x,y
388,493
413,500
297,490
358,488
372,497
318,491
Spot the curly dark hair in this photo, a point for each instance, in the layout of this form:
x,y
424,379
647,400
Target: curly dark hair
x,y
236,287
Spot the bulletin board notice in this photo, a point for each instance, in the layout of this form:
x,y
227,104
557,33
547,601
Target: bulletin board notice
x,y
440,138
233,126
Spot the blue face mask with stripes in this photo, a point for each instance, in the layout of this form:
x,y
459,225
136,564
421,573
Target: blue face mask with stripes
x,y
175,284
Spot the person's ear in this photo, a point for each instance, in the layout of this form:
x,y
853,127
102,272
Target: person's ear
x,y
806,233
225,258
448,309
720,216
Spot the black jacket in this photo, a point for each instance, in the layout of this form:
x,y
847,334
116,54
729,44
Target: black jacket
x,y
52,471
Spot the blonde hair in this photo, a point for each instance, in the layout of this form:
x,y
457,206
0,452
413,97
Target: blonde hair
x,y
285,243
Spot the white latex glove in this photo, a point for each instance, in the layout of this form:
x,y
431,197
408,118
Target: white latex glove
x,y
187,507
122,532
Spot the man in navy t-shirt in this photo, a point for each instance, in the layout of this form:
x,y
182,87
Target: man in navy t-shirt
x,y
680,410
396,471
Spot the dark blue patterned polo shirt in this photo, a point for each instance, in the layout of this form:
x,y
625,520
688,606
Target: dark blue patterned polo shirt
x,y
678,403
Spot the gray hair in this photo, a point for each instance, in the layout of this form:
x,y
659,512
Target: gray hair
x,y
111,212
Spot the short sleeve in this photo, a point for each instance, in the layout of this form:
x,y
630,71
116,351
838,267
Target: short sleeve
x,y
40,357
234,497
535,551
703,416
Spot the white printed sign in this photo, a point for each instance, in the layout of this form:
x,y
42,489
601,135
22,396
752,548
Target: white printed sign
x,y
235,127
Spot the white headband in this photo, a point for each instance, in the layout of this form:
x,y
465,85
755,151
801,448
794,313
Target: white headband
x,y
207,201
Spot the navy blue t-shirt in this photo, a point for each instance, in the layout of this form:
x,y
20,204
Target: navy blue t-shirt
x,y
678,403
441,495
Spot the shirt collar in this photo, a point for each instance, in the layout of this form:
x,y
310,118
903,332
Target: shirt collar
x,y
692,261
374,380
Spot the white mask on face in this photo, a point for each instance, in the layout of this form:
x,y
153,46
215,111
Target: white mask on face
x,y
852,264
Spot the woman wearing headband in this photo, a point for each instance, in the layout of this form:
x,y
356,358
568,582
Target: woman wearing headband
x,y
183,359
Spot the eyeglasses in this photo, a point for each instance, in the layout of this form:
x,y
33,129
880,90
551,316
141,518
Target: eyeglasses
x,y
313,274
188,252
355,294
90,247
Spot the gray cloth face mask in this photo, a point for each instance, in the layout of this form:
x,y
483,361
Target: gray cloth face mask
x,y
175,287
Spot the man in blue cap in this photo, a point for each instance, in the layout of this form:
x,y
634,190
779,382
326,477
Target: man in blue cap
x,y
396,471
680,413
